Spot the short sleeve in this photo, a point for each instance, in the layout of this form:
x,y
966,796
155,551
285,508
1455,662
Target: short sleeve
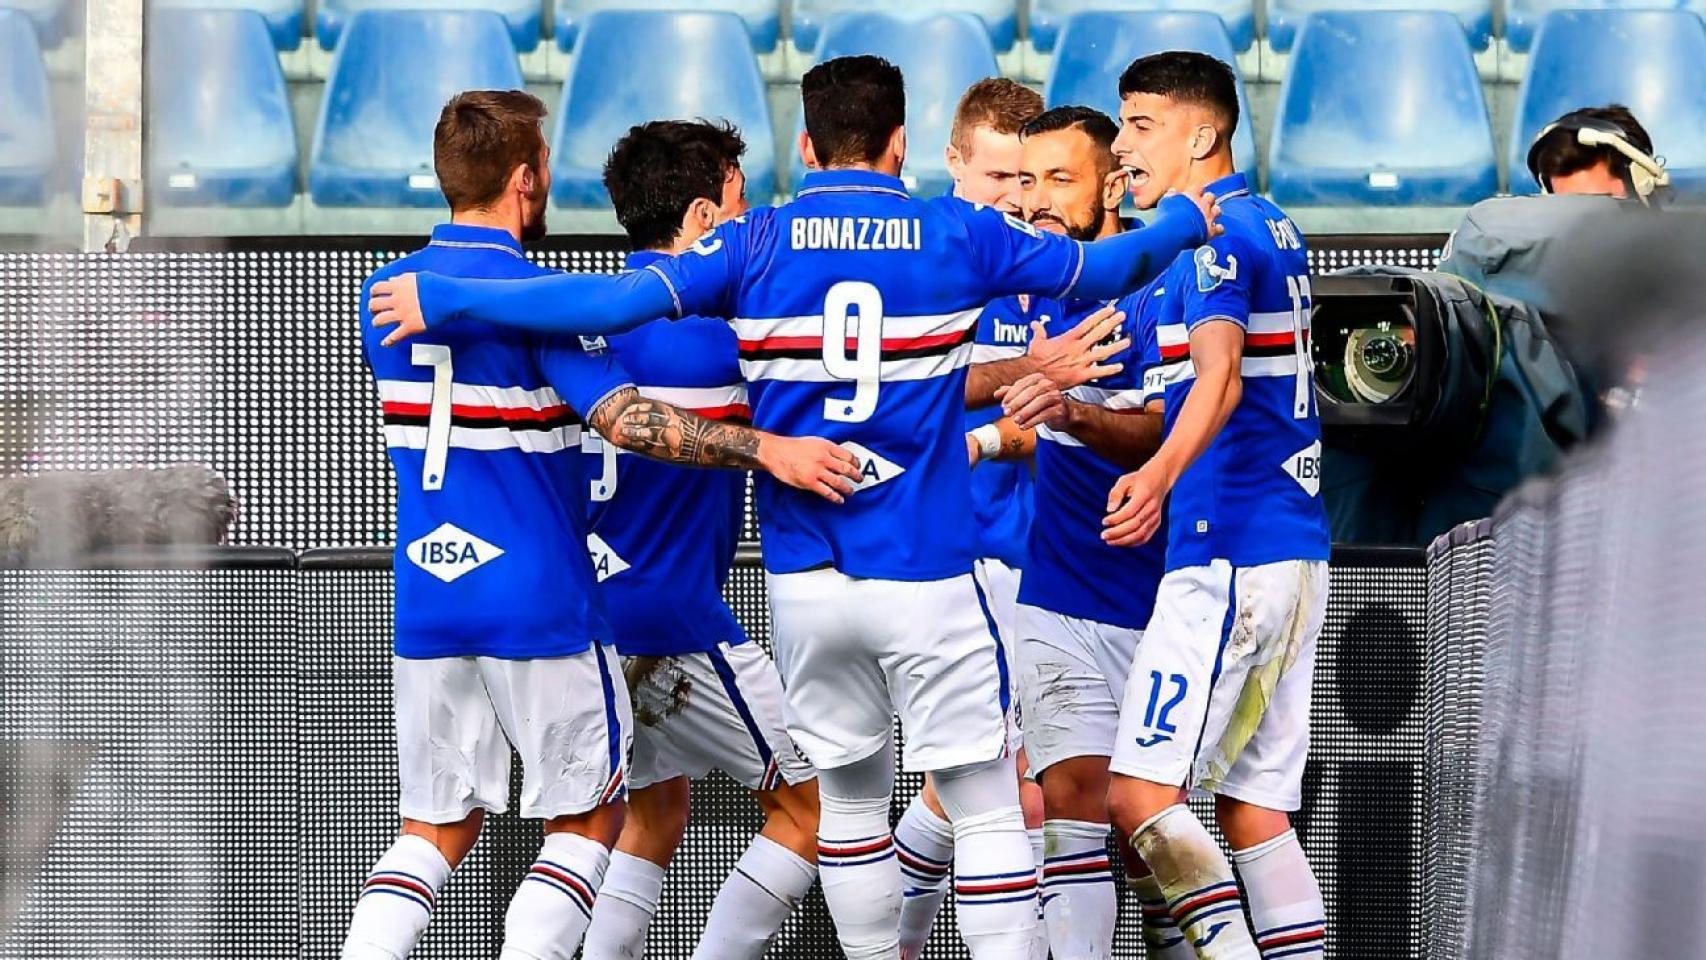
x,y
582,370
704,278
1219,289
1015,257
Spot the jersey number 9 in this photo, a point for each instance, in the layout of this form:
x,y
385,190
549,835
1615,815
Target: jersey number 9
x,y
865,303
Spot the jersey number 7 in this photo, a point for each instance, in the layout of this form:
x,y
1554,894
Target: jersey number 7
x,y
436,356
865,303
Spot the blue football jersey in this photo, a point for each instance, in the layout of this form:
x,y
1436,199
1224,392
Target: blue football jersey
x,y
1254,496
483,426
1072,570
1001,489
663,537
856,308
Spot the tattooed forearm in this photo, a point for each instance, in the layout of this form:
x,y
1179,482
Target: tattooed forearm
x,y
663,432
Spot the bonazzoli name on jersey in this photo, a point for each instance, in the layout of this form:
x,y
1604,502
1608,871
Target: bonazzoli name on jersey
x,y
856,233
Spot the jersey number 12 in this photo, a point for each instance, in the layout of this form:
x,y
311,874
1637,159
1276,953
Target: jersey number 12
x,y
865,366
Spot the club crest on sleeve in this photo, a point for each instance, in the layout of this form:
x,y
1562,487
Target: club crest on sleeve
x,y
449,552
593,345
1209,271
1021,225
708,244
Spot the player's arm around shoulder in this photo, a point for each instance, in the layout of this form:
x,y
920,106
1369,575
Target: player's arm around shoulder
x,y
664,432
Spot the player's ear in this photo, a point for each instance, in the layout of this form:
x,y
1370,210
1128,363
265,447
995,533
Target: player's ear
x,y
1205,140
897,145
808,152
956,163
701,216
1114,187
522,180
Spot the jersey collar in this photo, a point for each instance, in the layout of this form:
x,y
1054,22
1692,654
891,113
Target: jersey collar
x,y
468,236
640,259
1229,186
850,181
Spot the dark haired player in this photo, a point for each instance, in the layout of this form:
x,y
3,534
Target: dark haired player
x,y
501,639
855,306
1218,697
663,540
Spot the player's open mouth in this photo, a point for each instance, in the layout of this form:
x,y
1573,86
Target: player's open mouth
x,y
1139,177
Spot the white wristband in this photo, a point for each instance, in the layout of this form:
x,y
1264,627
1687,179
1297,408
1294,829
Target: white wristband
x,y
988,439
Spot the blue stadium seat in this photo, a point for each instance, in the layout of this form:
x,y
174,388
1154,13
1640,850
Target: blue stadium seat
x,y
763,17
1286,16
1523,17
1049,17
26,117
1382,109
1095,48
373,142
1652,61
613,85
51,18
940,56
521,16
219,126
811,17
284,17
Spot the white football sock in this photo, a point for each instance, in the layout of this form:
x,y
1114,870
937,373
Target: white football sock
x,y
1080,903
1161,937
924,843
765,885
627,901
1197,880
396,901
861,878
995,876
1039,939
553,906
1285,900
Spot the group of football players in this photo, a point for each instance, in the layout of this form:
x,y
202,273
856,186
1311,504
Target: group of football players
x,y
1040,481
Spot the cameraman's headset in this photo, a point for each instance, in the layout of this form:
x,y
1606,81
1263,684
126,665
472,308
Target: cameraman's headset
x,y
1646,174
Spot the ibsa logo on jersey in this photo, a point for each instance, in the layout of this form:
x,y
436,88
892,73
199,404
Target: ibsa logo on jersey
x,y
606,563
873,468
1305,467
1209,271
450,552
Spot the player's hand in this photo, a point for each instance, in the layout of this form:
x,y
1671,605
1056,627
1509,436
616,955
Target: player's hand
x,y
974,451
1210,209
1134,507
1034,401
812,464
1080,355
397,301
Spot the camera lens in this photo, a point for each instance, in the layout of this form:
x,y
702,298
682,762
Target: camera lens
x,y
1378,362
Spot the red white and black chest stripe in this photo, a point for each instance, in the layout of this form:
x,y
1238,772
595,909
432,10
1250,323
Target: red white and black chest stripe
x,y
481,417
906,348
1275,345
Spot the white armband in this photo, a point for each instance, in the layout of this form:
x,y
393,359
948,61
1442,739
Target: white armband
x,y
988,438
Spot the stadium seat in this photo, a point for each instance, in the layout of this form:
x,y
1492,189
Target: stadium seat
x,y
1286,16
940,56
51,18
613,85
1049,17
284,17
373,142
1523,17
26,117
521,16
219,128
1096,46
1652,61
1382,109
763,17
811,17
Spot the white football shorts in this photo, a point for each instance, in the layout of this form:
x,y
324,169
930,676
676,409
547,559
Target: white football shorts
x,y
855,652
1071,676
1218,696
457,717
1001,585
717,710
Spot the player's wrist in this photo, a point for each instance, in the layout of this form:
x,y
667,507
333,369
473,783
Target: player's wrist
x,y
987,440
